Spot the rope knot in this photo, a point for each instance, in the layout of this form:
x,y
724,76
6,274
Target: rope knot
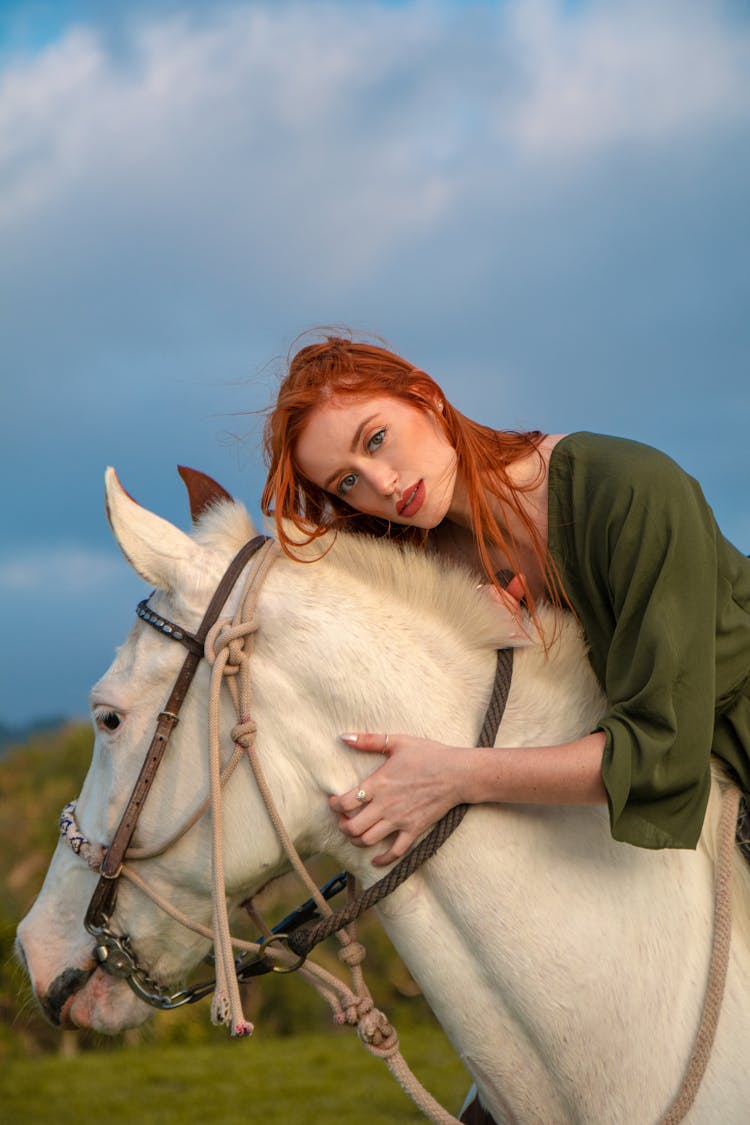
x,y
356,1009
229,638
377,1034
352,954
243,734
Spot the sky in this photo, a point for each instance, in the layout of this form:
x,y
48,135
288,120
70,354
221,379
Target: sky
x,y
542,203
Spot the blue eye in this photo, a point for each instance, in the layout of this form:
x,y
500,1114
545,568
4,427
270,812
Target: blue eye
x,y
347,483
376,440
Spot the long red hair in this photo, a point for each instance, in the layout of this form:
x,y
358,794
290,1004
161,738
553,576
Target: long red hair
x,y
340,367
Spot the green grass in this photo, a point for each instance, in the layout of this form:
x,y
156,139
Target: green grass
x,y
279,1081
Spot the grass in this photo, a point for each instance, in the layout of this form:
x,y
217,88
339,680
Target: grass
x,y
286,1081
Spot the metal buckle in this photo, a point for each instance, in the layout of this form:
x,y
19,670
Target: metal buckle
x,y
281,969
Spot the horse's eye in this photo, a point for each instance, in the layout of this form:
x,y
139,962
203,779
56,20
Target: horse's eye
x,y
108,720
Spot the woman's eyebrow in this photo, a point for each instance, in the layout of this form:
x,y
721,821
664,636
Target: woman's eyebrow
x,y
352,448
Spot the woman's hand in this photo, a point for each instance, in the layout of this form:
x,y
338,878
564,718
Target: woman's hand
x,y
421,780
418,783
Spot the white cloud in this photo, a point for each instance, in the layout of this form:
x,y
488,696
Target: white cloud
x,y
60,571
625,73
262,106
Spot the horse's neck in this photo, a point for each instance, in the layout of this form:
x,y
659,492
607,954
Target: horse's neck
x,y
345,660
524,922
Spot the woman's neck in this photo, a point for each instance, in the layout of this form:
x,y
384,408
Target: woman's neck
x,y
528,478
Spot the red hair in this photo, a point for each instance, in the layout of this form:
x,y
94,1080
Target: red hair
x,y
343,368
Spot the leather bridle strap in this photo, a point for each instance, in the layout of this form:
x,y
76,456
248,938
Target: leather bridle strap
x,y
103,899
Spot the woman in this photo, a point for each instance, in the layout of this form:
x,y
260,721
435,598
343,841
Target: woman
x,y
361,440
616,531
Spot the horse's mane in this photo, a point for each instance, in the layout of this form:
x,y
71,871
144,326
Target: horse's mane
x,y
420,581
224,526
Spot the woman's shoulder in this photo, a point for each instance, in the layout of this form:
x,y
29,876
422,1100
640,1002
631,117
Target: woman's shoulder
x,y
586,445
611,484
606,461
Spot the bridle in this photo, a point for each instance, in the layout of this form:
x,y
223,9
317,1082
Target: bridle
x,y
113,952
305,926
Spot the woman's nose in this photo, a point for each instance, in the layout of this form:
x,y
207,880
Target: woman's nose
x,y
385,480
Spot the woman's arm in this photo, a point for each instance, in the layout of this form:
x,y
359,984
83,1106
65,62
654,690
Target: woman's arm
x,y
421,780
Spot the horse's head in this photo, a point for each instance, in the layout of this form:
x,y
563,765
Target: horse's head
x,y
346,643
125,703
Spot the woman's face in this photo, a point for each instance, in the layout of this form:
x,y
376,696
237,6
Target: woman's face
x,y
383,456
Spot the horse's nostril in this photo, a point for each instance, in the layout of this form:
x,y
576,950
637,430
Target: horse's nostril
x,y
61,989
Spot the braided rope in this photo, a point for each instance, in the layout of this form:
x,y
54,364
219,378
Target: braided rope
x,y
498,698
228,653
306,937
717,973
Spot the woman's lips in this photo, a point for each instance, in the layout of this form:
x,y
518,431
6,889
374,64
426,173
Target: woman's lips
x,y
412,501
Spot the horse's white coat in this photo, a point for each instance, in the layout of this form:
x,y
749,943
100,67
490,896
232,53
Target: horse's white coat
x,y
568,970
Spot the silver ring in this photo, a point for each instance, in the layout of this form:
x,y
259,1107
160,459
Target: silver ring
x,y
361,795
387,740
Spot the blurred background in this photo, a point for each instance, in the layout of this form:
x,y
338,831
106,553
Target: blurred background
x,y
544,203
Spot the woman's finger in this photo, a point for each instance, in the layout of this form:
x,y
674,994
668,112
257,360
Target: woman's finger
x,y
353,801
375,834
359,823
361,740
398,849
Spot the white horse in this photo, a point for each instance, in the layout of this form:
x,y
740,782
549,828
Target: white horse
x,y
567,970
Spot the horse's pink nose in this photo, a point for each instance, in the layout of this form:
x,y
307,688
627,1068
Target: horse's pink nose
x,y
54,998
63,987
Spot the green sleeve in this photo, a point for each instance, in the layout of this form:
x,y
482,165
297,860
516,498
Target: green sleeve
x,y
636,545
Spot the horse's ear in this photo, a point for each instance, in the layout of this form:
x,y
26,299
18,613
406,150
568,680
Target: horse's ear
x,y
203,491
155,548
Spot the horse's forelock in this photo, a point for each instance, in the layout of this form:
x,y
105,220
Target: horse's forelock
x,y
225,525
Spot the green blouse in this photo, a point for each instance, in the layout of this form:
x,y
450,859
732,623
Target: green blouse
x,y
664,600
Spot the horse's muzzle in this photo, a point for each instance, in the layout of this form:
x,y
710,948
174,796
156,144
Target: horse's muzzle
x,y
59,992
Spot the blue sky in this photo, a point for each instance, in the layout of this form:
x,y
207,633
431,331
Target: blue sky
x,y
542,203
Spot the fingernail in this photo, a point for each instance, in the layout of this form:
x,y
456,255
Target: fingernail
x,y
350,738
